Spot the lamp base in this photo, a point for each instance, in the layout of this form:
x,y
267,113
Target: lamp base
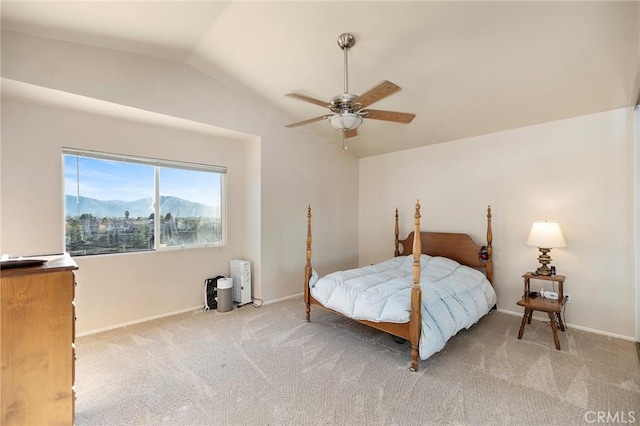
x,y
544,260
543,270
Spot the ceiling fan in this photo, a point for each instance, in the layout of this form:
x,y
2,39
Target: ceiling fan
x,y
348,110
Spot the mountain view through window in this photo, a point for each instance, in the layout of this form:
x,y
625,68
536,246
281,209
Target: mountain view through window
x,y
119,205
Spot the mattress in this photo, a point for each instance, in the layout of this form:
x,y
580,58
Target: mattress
x,y
454,296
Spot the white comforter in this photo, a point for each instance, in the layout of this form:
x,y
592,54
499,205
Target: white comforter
x,y
453,296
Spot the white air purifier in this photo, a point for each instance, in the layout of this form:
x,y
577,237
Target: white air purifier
x,y
241,275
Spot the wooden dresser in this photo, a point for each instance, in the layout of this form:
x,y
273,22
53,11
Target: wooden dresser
x,y
37,343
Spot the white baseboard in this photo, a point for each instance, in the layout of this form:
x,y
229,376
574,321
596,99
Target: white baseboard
x,y
295,296
577,327
168,314
282,299
124,324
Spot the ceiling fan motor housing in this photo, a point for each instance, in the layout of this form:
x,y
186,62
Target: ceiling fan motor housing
x,y
342,102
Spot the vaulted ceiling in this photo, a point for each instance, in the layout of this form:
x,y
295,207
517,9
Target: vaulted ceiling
x,y
465,68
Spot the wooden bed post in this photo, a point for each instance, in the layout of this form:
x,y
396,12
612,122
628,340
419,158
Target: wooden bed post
x,y
415,320
489,247
397,252
307,268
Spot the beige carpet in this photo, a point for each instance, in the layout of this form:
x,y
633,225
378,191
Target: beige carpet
x,y
267,366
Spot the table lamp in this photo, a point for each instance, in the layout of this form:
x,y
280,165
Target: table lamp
x,y
545,235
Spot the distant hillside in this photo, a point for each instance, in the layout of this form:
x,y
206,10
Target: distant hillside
x,y
178,207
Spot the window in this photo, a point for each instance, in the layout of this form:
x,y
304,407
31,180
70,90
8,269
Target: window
x,y
112,202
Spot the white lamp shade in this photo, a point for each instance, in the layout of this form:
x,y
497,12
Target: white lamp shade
x,y
346,121
546,234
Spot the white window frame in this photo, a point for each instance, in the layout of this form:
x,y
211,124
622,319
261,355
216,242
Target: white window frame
x,y
157,164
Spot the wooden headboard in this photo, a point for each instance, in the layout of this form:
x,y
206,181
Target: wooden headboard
x,y
459,247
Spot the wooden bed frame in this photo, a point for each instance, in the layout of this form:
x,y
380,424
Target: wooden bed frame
x,y
459,247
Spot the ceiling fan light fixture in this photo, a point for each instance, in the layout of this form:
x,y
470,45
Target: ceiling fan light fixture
x,y
346,121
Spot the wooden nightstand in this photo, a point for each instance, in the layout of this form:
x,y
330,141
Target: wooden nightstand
x,y
552,307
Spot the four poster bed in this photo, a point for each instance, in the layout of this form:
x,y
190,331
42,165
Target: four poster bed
x,y
424,296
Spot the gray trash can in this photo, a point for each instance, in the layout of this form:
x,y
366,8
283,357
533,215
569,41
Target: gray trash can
x,y
225,294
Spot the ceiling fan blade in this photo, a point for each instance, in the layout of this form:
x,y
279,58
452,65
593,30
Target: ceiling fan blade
x,y
302,123
381,91
398,117
350,133
308,99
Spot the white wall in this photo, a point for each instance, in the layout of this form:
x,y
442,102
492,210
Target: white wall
x,y
283,170
579,172
122,287
637,222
